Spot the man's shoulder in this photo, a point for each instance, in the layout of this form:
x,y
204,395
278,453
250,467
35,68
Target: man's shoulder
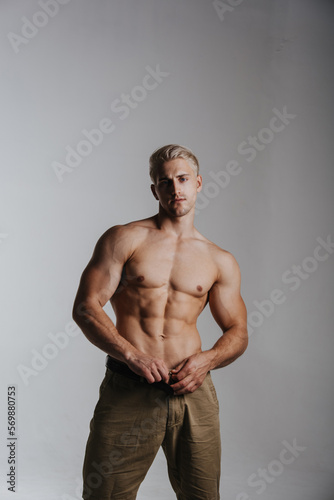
x,y
141,224
216,251
131,230
223,259
121,240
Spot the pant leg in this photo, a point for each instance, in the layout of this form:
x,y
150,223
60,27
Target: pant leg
x,y
126,432
192,444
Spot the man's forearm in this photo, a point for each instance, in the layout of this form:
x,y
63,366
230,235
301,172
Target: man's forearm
x,y
101,331
229,347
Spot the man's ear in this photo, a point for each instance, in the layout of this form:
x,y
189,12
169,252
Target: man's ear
x,y
154,192
199,183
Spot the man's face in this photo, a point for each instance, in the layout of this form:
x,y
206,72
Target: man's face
x,y
176,187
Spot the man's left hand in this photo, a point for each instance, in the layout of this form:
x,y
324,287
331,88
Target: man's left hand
x,y
188,375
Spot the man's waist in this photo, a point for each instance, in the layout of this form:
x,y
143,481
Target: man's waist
x,y
122,369
171,344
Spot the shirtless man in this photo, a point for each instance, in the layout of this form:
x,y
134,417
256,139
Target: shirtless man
x,y
159,273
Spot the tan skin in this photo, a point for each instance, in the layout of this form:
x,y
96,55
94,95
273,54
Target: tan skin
x,y
159,273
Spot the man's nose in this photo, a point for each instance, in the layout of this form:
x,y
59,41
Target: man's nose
x,y
175,187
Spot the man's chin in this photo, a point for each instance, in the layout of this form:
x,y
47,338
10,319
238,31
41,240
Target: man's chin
x,y
179,212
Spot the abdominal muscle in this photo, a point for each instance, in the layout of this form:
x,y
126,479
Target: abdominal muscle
x,y
168,338
160,323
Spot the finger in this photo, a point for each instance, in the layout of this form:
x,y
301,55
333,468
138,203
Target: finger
x,y
181,384
185,372
164,371
149,377
155,372
191,387
165,374
178,367
161,372
181,372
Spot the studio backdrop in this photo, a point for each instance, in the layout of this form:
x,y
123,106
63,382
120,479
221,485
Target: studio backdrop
x,y
88,91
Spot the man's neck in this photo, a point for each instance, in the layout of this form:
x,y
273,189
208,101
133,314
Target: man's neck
x,y
182,226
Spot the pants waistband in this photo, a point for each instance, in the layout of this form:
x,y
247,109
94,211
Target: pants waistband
x,y
123,369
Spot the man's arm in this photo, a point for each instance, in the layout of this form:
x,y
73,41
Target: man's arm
x,y
98,283
229,312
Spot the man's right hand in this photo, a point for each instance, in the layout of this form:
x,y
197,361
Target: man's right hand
x,y
153,369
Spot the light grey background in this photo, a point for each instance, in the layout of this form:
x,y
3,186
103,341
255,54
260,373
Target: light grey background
x,y
226,74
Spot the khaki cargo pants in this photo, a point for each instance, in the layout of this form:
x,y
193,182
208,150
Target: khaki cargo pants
x,y
132,419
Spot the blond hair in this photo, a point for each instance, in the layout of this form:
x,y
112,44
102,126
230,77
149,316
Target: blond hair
x,y
171,152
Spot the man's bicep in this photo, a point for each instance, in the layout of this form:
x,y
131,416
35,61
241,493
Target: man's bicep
x,y
99,283
225,301
102,275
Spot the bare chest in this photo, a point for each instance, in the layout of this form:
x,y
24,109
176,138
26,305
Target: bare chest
x,y
184,267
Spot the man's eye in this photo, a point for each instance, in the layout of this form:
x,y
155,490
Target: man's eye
x,y
183,178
